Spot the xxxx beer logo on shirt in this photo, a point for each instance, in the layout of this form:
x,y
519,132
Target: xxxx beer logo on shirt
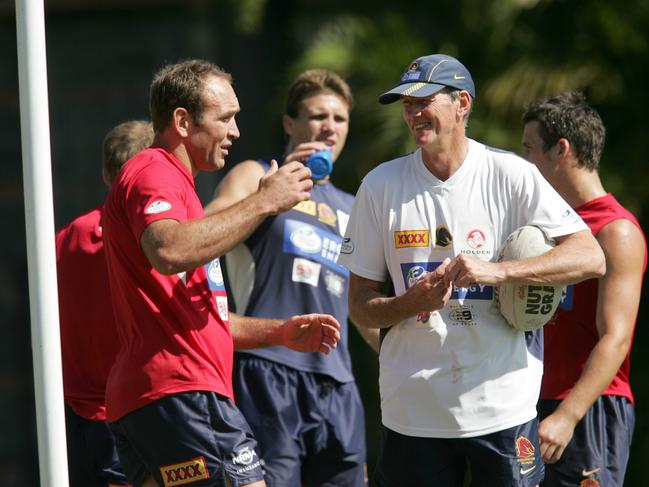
x,y
184,472
411,238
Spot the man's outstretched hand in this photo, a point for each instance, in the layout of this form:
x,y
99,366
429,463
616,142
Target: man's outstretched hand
x,y
310,333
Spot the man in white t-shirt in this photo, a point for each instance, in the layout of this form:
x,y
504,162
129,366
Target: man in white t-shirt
x,y
457,383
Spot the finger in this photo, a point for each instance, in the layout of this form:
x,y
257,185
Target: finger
x,y
330,332
441,269
329,341
327,320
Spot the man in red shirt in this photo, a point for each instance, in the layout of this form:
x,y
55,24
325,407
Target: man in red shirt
x,y
586,407
169,395
88,336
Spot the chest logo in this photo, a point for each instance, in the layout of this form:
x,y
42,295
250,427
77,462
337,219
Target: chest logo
x,y
411,238
185,472
476,239
443,237
308,207
326,215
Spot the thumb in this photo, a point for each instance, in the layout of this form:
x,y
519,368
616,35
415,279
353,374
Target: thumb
x,y
272,169
441,269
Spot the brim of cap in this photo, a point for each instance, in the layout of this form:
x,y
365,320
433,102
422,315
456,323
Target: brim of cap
x,y
418,90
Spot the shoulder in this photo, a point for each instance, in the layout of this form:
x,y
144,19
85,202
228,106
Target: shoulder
x,y
84,221
622,235
245,170
387,172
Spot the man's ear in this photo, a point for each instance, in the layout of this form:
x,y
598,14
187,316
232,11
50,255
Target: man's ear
x,y
563,148
181,121
288,123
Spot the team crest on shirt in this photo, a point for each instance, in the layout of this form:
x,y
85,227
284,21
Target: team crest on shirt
x,y
443,237
185,472
525,450
590,483
326,215
158,206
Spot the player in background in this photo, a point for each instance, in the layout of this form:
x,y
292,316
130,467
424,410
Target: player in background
x,y
457,383
169,395
89,340
586,408
304,409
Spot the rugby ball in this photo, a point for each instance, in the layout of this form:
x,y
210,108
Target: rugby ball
x,y
526,307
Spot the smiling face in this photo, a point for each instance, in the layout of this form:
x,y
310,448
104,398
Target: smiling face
x,y
323,117
432,120
210,137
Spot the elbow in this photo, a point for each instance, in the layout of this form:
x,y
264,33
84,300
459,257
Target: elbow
x,y
165,262
599,263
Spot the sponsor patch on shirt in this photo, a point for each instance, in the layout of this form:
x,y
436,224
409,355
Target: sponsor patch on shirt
x,y
411,238
335,283
244,460
222,307
158,206
314,243
215,275
347,246
343,220
413,271
185,472
567,297
306,271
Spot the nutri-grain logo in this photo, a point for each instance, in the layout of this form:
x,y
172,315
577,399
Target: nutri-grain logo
x,y
185,472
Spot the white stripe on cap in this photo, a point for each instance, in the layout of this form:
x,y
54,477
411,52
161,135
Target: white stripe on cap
x,y
434,68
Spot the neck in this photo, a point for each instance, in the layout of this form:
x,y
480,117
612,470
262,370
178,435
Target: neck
x,y
444,161
176,148
578,186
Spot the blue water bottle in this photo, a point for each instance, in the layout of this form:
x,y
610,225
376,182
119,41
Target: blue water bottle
x,y
320,164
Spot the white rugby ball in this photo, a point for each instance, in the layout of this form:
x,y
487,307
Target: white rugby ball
x,y
526,307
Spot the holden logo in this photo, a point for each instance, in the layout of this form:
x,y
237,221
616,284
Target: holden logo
x,y
476,239
306,240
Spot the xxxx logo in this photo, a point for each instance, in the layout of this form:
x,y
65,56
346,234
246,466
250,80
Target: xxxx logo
x,y
185,472
411,238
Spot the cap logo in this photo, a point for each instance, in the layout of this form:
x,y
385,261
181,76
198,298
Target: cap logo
x,y
456,76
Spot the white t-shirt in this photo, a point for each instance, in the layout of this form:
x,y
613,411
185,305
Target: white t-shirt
x,y
462,371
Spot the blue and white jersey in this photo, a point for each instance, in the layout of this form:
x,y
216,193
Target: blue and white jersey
x,y
288,266
460,371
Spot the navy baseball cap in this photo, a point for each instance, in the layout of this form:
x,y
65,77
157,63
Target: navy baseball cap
x,y
427,75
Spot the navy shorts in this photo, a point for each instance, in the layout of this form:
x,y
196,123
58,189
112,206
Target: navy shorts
x,y
92,455
599,449
506,458
310,428
191,438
